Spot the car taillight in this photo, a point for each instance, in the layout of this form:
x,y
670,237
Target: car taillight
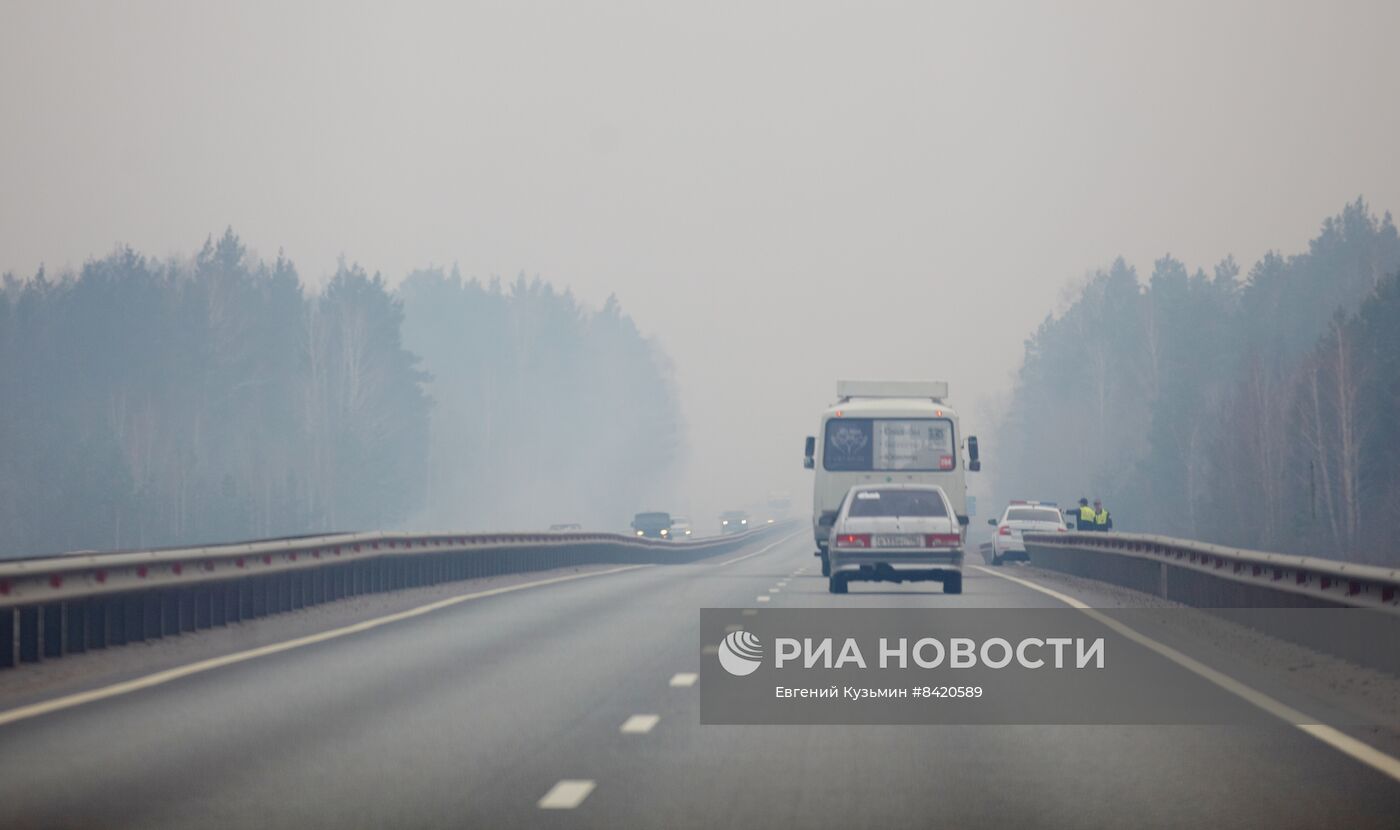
x,y
853,540
939,540
1004,530
1063,529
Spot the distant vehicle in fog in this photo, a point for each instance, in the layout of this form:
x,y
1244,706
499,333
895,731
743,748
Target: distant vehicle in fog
x,y
680,527
896,533
654,525
568,527
897,432
1022,517
733,521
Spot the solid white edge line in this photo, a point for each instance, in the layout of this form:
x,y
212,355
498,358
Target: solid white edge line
x,y
793,535
567,794
1333,737
161,677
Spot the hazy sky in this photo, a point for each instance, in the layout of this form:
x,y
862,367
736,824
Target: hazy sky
x,y
781,193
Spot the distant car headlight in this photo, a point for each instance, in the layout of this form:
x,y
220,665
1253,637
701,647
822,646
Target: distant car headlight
x,y
770,521
687,533
743,521
665,532
641,533
726,521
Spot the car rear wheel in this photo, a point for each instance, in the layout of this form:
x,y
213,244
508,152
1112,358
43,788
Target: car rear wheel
x,y
837,584
952,583
826,564
996,561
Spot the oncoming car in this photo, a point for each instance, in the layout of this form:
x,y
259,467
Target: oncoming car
x,y
1022,517
893,533
733,521
654,525
680,527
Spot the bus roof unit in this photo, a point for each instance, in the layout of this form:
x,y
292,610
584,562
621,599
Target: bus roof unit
x,y
935,389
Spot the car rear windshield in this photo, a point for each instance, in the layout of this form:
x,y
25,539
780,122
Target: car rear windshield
x,y
898,503
1031,514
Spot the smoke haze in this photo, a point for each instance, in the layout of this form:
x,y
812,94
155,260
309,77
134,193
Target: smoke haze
x,y
779,195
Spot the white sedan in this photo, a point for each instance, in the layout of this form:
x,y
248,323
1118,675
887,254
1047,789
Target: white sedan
x,y
1022,517
893,533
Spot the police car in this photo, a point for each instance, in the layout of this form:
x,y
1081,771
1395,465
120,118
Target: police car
x,y
1023,517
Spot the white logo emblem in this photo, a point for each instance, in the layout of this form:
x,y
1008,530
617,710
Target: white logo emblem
x,y
740,653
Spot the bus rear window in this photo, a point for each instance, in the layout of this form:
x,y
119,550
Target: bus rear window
x,y
889,444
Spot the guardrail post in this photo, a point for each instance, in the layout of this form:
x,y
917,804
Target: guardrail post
x,y
116,620
75,627
128,620
53,629
170,612
150,616
8,635
209,610
98,623
29,635
187,603
254,599
233,602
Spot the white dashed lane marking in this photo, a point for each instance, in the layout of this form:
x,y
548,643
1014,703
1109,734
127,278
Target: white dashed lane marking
x,y
764,599
640,724
567,794
684,679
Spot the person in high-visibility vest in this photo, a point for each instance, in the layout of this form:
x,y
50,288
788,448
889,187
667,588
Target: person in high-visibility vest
x,y
1103,520
1087,515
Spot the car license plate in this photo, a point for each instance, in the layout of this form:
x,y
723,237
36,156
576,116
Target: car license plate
x,y
898,540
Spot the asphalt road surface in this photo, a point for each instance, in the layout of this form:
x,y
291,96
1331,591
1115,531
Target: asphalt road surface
x,y
571,704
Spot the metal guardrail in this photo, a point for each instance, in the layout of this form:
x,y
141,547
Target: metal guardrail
x,y
69,603
1207,575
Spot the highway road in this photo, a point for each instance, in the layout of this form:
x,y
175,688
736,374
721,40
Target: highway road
x,y
572,704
